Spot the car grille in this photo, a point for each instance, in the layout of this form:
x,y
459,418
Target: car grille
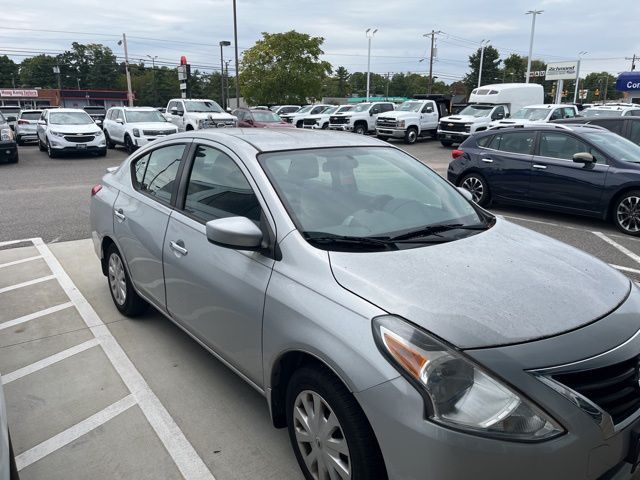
x,y
79,138
614,388
452,127
156,133
386,122
309,121
338,120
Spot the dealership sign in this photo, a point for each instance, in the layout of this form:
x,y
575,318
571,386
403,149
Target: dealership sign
x,y
18,93
628,81
561,70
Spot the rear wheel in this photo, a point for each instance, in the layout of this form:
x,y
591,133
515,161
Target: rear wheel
x,y
411,135
127,301
329,432
626,213
477,186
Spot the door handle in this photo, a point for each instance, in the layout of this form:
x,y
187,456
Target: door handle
x,y
487,160
539,167
176,247
119,215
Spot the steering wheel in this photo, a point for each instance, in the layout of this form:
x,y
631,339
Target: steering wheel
x,y
378,202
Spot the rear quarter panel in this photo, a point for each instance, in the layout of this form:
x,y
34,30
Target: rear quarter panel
x,y
101,213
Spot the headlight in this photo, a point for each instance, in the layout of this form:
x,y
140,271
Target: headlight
x,y
458,393
348,119
401,123
57,134
136,132
6,134
97,133
201,123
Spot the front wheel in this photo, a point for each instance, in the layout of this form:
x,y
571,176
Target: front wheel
x,y
475,184
107,138
50,151
411,135
360,129
329,432
128,144
102,152
626,213
124,296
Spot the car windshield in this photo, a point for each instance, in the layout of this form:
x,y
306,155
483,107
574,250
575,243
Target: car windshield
x,y
70,118
30,115
6,110
531,114
288,110
138,116
95,110
616,146
363,107
356,192
330,110
345,108
202,106
476,110
410,107
305,109
265,116
597,112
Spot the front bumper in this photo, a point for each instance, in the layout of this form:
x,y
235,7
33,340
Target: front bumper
x,y
343,127
60,144
453,136
8,151
391,132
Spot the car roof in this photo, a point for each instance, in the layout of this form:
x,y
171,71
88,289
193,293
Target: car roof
x,y
69,110
270,140
33,110
557,126
549,105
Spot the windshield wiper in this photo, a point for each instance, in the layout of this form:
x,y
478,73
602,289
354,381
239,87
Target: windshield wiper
x,y
432,230
350,241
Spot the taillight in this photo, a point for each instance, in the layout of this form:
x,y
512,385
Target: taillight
x,y
96,189
457,153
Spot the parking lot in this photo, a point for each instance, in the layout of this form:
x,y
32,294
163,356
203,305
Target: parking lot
x,y
92,394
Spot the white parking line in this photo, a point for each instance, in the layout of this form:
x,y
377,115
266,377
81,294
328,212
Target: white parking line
x,y
13,242
625,269
45,362
17,262
34,315
533,221
26,284
72,433
621,248
182,452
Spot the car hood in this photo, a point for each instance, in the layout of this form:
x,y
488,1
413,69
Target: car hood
x,y
503,286
154,125
215,116
399,115
87,128
463,118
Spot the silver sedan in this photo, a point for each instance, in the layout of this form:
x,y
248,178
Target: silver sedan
x,y
397,329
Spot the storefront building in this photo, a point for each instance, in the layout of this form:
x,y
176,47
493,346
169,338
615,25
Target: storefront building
x,y
629,84
53,97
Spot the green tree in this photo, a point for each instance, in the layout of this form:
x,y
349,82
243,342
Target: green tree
x,y
94,64
38,72
514,68
8,72
283,68
603,82
490,68
342,82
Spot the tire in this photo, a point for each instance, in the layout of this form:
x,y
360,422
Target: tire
x,y
41,146
363,457
360,128
128,144
102,153
411,135
299,124
325,126
446,143
107,138
188,129
15,159
478,187
131,304
19,141
626,213
50,151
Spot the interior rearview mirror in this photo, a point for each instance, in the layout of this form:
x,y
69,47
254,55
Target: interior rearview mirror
x,y
238,233
466,193
583,157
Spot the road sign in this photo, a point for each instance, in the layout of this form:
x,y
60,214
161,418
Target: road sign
x,y
582,95
562,70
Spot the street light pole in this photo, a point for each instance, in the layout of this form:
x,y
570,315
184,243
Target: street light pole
x,y
369,33
533,14
575,92
153,77
483,44
235,42
223,43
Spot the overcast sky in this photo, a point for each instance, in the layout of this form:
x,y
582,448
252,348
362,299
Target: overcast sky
x,y
609,32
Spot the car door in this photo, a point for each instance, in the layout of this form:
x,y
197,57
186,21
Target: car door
x,y
118,126
141,215
178,118
428,117
505,162
559,182
217,293
556,114
40,129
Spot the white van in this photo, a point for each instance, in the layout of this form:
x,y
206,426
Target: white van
x,y
487,104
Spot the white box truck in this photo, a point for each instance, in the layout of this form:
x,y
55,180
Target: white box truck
x,y
487,104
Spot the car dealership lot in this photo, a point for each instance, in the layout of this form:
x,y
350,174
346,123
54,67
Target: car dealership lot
x,y
141,390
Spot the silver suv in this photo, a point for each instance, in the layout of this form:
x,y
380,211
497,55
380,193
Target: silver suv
x,y
397,329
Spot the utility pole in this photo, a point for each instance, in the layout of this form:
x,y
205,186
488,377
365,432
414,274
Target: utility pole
x,y
606,87
483,44
533,14
633,61
223,43
369,33
153,77
123,42
225,77
235,41
387,93
431,55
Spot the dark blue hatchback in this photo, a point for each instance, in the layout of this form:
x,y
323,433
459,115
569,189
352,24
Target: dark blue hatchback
x,y
579,169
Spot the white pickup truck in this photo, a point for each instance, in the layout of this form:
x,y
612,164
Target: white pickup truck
x,y
533,114
362,119
487,104
193,114
411,120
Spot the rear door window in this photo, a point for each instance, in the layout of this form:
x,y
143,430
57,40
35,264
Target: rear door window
x,y
514,142
155,173
614,125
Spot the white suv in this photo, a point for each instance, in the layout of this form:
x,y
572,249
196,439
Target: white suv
x,y
193,114
533,114
134,127
612,110
321,120
69,130
362,119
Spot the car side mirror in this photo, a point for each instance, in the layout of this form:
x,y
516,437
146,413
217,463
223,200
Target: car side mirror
x,y
465,193
238,233
583,157
499,116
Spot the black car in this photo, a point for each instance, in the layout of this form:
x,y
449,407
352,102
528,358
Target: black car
x,y
8,145
579,169
96,112
627,127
